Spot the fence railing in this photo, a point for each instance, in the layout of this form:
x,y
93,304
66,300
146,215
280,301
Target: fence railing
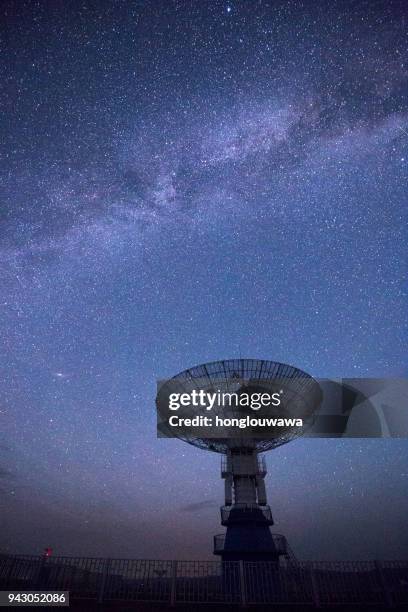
x,y
232,582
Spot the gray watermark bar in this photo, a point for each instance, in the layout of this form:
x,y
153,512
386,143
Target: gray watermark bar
x,y
282,408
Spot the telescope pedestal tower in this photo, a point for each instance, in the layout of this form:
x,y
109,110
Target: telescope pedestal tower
x,y
246,513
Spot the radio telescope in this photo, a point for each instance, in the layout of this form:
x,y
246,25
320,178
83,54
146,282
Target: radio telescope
x,y
246,512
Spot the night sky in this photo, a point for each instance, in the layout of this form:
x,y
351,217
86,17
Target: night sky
x,y
184,182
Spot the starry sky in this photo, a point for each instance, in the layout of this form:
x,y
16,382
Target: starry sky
x,y
188,181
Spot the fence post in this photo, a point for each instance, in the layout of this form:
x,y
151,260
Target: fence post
x,y
242,583
105,575
173,592
38,579
9,572
384,586
315,586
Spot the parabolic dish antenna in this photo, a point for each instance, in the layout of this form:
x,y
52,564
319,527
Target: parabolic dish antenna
x,y
246,513
301,391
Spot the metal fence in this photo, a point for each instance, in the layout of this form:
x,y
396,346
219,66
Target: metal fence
x,y
232,582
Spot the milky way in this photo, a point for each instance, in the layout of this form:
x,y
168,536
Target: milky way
x,y
184,182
